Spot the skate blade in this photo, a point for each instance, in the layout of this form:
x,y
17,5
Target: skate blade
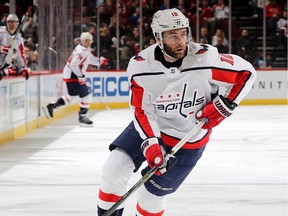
x,y
45,110
86,125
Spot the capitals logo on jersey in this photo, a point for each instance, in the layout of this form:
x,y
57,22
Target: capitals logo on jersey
x,y
179,102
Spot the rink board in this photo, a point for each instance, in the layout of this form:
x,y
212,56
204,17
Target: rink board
x,y
21,100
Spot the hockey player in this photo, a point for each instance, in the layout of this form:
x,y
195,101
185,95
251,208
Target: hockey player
x,y
74,77
173,84
12,49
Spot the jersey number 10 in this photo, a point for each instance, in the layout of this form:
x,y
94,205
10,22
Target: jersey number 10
x,y
227,58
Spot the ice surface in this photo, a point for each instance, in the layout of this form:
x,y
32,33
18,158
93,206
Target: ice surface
x,y
55,170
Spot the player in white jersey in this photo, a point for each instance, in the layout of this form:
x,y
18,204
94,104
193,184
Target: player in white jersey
x,y
12,49
174,83
74,77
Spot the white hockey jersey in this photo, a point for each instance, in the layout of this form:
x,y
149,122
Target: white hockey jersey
x,y
165,97
16,51
78,62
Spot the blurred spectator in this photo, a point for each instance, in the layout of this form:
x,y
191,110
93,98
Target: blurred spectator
x,y
123,29
93,32
3,20
109,8
76,25
29,28
76,41
205,36
104,17
259,62
149,41
106,46
245,41
245,54
221,45
87,23
31,57
134,18
219,34
135,37
149,8
282,31
126,51
91,4
192,16
221,13
131,6
255,8
207,17
273,13
182,7
147,31
202,41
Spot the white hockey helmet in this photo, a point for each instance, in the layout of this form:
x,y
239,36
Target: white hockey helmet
x,y
168,19
12,18
86,36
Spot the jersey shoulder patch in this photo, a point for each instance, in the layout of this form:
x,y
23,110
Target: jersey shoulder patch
x,y
202,50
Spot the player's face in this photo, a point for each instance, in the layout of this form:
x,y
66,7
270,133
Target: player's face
x,y
88,43
12,26
175,42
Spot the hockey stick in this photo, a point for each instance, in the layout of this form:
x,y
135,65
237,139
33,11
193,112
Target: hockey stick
x,y
151,172
56,53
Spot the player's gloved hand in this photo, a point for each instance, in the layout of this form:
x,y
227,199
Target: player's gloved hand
x,y
4,49
25,72
11,71
82,80
1,75
216,111
104,61
155,155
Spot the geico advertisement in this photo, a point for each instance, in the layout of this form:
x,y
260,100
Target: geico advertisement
x,y
112,86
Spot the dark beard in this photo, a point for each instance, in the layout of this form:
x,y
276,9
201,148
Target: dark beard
x,y
169,51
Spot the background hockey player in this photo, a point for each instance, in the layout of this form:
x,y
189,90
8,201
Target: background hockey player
x,y
174,83
74,77
12,49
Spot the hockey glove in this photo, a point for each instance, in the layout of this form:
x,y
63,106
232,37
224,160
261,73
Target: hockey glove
x,y
1,75
155,155
25,72
104,61
216,111
11,71
4,49
82,80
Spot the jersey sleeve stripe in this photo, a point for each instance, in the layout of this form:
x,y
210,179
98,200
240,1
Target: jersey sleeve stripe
x,y
136,101
237,78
